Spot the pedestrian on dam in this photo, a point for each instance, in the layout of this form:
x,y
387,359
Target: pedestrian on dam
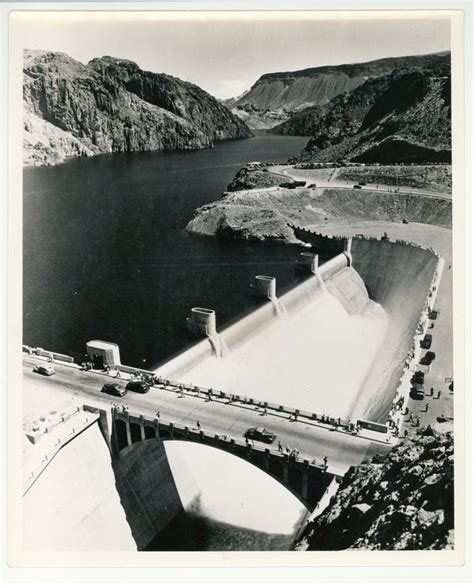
x,y
427,407
439,394
198,425
280,447
431,391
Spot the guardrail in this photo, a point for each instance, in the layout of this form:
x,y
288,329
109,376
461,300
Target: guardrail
x,y
221,441
231,398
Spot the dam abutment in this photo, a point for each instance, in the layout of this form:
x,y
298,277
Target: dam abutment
x,y
144,481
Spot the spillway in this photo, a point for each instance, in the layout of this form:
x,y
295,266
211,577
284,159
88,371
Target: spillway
x,y
316,358
342,347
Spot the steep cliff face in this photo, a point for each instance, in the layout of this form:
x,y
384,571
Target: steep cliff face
x,y
401,117
112,105
402,502
275,97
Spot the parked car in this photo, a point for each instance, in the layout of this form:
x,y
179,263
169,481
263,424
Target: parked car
x,y
429,357
114,389
418,377
137,386
433,315
404,220
260,434
426,341
44,370
417,392
357,187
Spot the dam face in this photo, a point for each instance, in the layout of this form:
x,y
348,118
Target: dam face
x,y
339,346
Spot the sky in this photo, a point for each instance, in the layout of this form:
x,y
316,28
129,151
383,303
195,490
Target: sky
x,y
225,57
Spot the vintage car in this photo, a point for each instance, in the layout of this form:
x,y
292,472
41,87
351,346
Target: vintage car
x,y
44,370
114,389
260,434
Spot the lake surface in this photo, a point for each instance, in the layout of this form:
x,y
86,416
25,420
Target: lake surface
x,y
106,255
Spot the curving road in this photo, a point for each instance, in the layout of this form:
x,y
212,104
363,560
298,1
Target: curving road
x,y
305,175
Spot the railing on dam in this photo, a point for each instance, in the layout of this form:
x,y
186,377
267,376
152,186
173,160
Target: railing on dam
x,y
209,394
306,479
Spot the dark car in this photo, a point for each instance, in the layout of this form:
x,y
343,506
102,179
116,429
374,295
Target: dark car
x,y
426,341
418,377
357,187
44,370
417,393
260,434
433,315
404,220
114,389
140,387
429,357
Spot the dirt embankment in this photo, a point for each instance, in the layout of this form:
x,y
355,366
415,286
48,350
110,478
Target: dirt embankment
x,y
436,178
267,214
404,501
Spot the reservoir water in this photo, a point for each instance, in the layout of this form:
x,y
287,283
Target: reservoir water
x,y
106,257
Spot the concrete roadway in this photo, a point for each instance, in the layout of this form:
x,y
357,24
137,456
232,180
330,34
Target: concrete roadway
x,y
70,385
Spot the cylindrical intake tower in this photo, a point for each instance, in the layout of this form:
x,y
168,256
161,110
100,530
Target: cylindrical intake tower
x,y
202,322
264,286
307,263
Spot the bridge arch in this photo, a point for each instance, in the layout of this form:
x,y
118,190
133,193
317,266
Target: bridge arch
x,y
305,480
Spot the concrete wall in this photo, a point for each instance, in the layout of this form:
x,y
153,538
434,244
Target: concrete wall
x,y
146,489
74,505
398,277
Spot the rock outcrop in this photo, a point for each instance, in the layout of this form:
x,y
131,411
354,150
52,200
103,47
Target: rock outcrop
x,y
404,501
404,116
111,105
250,177
275,97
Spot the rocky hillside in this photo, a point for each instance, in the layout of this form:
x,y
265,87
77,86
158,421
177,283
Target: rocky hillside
x,y
267,213
251,177
402,502
401,117
277,96
111,105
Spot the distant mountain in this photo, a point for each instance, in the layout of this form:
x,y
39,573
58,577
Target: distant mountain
x,y
276,96
400,117
111,105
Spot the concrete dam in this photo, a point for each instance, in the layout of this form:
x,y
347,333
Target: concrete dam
x,y
334,344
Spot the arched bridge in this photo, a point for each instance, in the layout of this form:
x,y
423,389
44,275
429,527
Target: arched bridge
x,y
305,479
